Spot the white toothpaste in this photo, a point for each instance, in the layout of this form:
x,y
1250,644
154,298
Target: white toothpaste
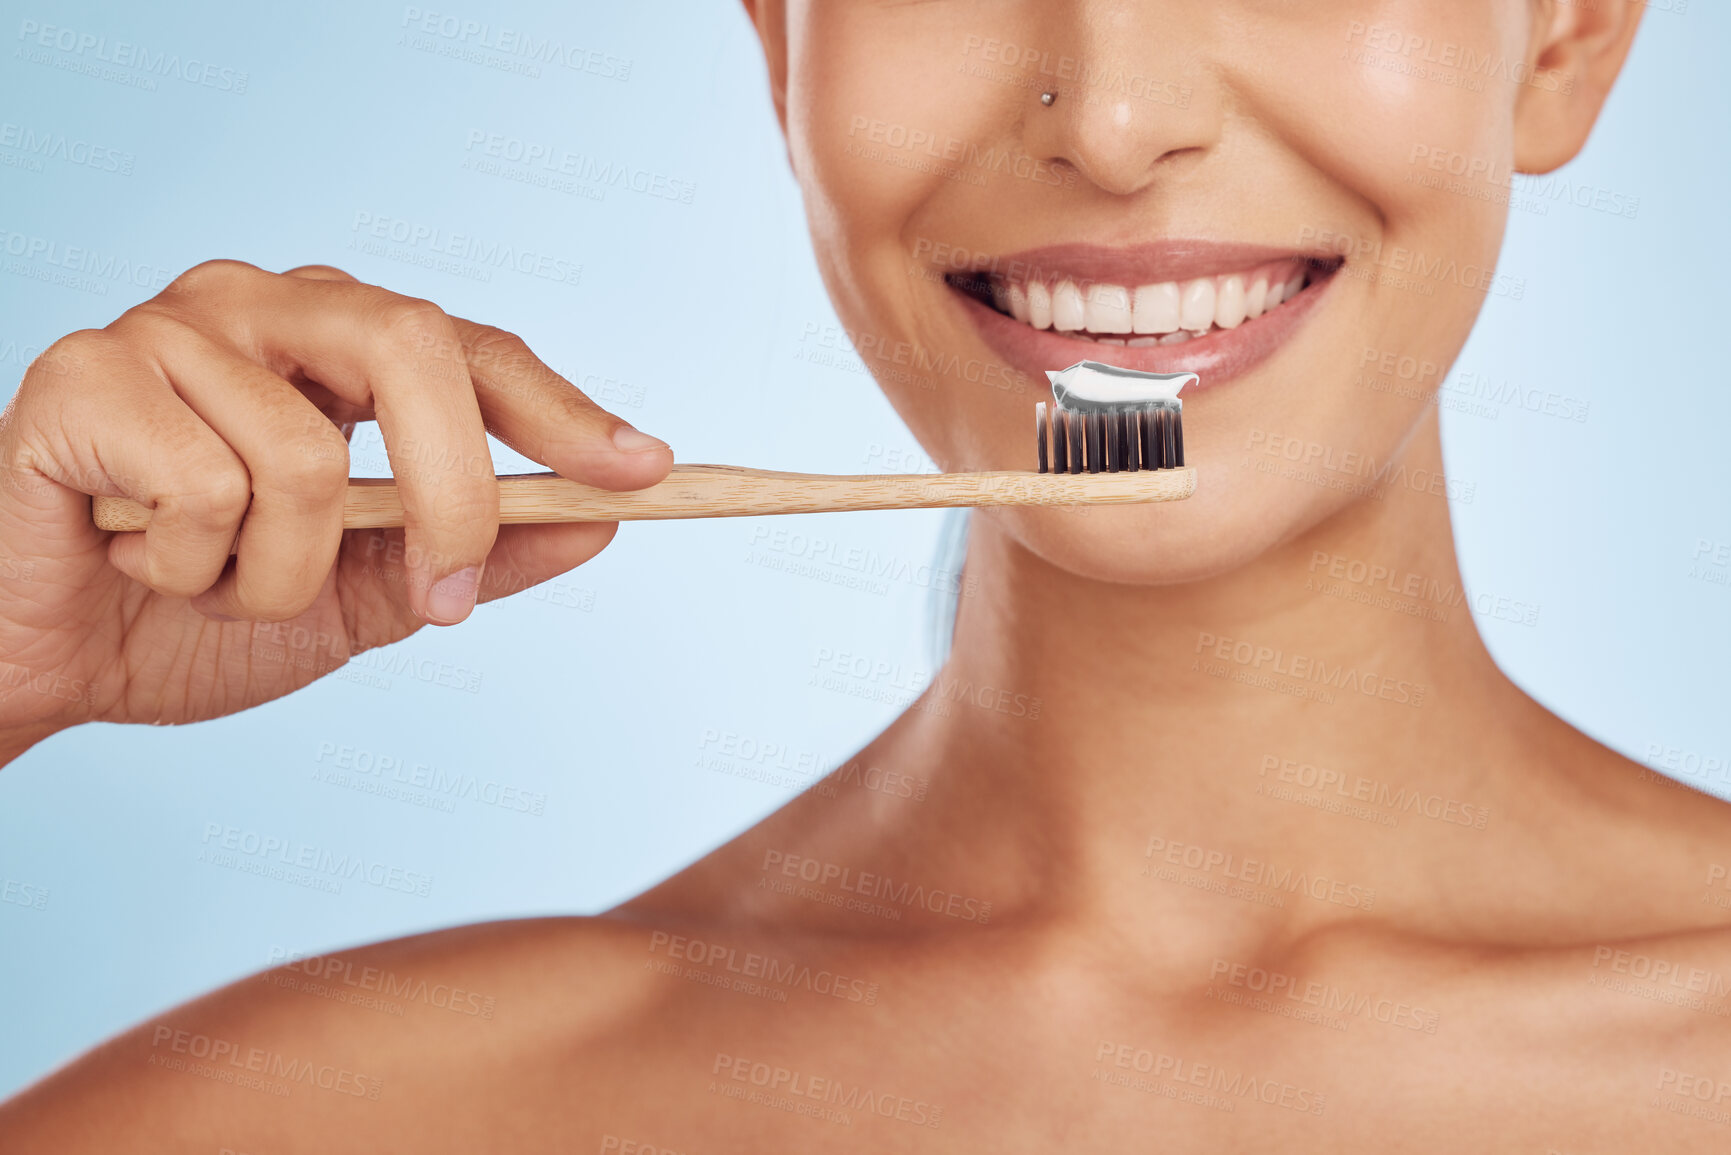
x,y
1092,385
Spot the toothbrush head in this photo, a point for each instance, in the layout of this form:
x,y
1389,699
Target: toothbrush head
x,y
1110,420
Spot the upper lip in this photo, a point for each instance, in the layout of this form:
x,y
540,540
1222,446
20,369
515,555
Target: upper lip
x,y
1141,264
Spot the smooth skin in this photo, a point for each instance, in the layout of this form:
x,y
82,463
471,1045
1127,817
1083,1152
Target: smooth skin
x,y
1533,957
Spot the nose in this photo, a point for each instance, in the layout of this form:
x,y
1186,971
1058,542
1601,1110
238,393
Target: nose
x,y
1139,100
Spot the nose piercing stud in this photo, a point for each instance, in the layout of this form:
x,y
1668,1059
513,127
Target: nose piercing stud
x,y
1046,98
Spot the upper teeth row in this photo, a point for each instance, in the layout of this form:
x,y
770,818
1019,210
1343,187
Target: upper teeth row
x,y
1168,307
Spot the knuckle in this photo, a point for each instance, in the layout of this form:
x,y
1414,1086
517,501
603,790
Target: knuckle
x,y
574,407
411,325
151,326
314,465
321,272
325,460
207,278
315,475
214,493
495,350
68,357
503,368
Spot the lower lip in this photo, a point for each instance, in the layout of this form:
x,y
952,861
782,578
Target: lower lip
x,y
1216,359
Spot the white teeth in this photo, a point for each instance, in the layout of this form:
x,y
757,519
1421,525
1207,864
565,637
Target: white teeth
x,y
1039,305
1109,340
1197,311
1229,304
1167,313
1155,308
1256,301
1068,313
1107,309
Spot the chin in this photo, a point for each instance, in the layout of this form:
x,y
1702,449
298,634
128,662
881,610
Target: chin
x,y
1225,526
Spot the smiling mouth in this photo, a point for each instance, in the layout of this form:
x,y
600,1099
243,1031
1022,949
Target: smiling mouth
x,y
1215,309
1143,316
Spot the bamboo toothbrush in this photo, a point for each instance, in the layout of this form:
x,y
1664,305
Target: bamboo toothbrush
x,y
1115,437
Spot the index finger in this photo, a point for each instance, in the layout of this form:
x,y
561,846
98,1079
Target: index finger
x,y
531,408
544,417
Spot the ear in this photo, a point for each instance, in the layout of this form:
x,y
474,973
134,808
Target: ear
x,y
1581,47
769,17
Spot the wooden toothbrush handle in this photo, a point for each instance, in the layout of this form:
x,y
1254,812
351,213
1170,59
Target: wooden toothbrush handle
x,y
733,491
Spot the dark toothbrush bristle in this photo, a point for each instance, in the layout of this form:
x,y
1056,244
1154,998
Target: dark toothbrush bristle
x,y
1121,441
1125,440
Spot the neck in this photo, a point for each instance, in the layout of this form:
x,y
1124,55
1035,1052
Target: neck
x,y
1328,710
1317,741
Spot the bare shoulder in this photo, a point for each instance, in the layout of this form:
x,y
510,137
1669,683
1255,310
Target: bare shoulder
x,y
1674,990
346,1044
1639,1029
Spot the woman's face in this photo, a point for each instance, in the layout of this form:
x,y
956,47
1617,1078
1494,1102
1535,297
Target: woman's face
x,y
1318,189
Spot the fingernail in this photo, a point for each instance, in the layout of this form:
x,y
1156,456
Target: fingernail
x,y
629,440
452,597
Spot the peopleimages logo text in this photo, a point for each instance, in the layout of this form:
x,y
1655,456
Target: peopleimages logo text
x,y
315,860
87,46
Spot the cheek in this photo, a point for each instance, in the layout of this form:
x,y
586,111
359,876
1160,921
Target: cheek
x,y
1395,143
1408,106
876,111
885,122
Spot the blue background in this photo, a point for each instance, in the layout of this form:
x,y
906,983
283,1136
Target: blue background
x,y
706,324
